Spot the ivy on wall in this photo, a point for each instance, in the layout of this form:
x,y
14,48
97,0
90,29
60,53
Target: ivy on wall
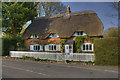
x,y
62,41
79,41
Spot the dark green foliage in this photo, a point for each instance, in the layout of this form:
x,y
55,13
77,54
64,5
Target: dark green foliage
x,y
106,51
44,60
62,41
68,61
15,15
111,32
37,59
89,62
78,43
10,44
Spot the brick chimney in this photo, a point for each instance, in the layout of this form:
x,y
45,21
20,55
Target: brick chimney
x,y
68,10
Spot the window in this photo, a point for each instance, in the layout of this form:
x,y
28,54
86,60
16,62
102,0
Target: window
x,y
34,36
87,47
79,34
36,47
53,36
52,47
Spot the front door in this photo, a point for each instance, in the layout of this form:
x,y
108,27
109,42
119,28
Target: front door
x,y
68,48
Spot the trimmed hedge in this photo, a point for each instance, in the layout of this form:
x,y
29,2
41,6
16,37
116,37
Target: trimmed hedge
x,y
106,51
9,44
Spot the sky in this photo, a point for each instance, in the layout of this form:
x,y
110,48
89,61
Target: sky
x,y
105,11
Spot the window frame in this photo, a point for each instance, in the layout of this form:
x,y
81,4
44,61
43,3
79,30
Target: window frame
x,y
85,45
37,47
52,46
81,33
53,35
34,36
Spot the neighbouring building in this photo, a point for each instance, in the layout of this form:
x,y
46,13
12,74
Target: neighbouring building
x,y
45,33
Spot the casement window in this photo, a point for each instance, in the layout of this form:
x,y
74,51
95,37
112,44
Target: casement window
x,y
34,36
79,34
52,47
36,47
53,36
87,47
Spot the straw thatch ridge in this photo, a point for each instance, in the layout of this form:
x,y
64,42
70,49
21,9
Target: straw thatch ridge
x,y
65,25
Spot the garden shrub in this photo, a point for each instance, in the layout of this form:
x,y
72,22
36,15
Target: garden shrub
x,y
62,41
37,59
10,44
106,51
68,61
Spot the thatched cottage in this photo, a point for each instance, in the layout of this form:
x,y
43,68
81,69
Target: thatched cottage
x,y
45,33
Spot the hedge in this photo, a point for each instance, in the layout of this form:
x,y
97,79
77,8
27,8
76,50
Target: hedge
x,y
9,44
106,51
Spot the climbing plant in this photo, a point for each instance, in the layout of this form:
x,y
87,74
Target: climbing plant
x,y
79,41
62,41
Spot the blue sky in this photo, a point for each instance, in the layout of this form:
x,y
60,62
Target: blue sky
x,y
105,11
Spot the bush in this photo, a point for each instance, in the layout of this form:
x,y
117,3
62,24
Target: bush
x,y
10,44
106,51
37,59
68,61
89,62
111,32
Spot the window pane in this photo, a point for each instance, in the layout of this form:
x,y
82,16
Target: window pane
x,y
90,47
50,47
34,47
70,47
77,33
38,47
54,47
83,47
86,47
81,33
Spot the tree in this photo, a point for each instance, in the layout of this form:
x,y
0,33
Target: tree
x,y
15,15
50,8
111,32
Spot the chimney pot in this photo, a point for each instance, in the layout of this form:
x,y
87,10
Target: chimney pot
x,y
68,10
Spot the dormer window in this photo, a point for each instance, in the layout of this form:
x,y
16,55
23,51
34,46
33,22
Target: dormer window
x,y
53,36
79,34
34,36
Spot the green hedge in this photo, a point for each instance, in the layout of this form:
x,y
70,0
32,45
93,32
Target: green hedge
x,y
106,51
9,44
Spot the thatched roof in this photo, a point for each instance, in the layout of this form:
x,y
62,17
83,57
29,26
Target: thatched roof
x,y
65,25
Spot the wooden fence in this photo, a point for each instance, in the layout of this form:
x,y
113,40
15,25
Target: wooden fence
x,y
55,56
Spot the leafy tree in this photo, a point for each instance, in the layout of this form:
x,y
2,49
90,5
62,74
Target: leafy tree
x,y
111,32
50,8
15,14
